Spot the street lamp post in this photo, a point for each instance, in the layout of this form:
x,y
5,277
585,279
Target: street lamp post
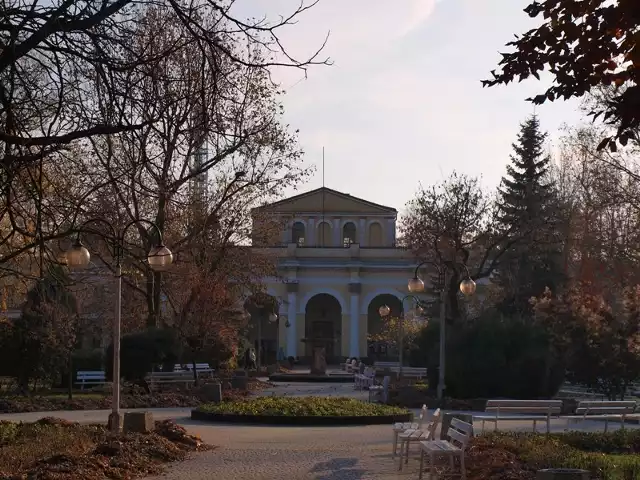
x,y
273,318
159,258
385,311
467,287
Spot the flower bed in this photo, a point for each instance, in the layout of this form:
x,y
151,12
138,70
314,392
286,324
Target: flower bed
x,y
302,411
508,456
54,448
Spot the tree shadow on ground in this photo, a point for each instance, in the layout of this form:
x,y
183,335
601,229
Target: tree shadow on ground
x,y
338,469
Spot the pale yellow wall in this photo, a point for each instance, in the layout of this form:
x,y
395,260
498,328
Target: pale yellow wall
x,y
300,334
363,336
346,334
372,284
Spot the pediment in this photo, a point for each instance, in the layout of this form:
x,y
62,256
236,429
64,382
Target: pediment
x,y
329,201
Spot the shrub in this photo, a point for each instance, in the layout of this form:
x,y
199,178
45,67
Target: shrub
x,y
141,351
298,406
87,360
8,432
491,357
35,346
557,451
616,442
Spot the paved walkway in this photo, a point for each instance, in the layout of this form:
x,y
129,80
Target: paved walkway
x,y
291,453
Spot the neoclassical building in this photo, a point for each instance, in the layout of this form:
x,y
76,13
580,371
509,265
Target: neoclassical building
x,y
338,263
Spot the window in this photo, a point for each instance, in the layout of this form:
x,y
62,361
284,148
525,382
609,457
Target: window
x,y
375,235
297,233
348,234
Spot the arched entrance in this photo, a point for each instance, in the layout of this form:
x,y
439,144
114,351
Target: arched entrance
x,y
378,349
323,323
263,327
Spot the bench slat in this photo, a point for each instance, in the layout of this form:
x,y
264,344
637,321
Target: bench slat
x,y
608,404
523,403
540,410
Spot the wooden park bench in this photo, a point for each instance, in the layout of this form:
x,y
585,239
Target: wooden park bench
x,y
414,372
156,379
603,410
90,377
365,379
518,410
408,372
189,367
386,365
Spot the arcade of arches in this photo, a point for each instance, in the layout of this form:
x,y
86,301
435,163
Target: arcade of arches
x,y
323,322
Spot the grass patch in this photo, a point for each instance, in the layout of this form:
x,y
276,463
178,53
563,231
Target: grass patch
x,y
53,448
302,406
608,456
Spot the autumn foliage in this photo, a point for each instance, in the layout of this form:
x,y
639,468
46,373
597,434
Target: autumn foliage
x,y
598,340
584,45
389,331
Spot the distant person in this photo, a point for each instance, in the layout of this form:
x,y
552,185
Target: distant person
x,y
250,360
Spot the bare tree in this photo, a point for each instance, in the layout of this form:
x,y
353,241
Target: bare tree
x,y
455,221
603,194
219,149
65,69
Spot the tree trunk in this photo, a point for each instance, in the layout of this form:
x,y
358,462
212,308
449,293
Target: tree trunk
x,y
70,379
195,373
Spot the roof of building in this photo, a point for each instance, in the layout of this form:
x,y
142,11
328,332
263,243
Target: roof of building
x,y
325,190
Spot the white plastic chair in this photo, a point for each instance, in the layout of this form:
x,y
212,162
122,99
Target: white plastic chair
x,y
418,435
401,427
381,391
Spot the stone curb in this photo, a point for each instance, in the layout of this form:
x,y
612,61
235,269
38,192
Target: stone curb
x,y
300,421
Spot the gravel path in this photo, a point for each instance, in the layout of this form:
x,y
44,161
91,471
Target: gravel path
x,y
291,453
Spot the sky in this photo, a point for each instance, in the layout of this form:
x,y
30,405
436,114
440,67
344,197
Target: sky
x,y
402,103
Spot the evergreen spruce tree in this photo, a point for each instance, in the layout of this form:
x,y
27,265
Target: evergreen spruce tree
x,y
41,339
527,212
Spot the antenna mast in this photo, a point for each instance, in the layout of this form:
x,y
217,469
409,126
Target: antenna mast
x,y
324,226
323,183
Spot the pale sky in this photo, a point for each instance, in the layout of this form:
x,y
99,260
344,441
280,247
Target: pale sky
x,y
402,103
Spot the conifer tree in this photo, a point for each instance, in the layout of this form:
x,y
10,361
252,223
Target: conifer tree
x,y
527,212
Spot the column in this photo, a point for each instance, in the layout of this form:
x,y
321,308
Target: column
x,y
292,316
354,320
337,233
391,231
310,235
363,235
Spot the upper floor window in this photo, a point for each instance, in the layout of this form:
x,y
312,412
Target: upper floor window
x,y
375,235
297,233
348,234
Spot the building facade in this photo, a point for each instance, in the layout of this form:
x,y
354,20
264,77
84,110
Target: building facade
x,y
338,263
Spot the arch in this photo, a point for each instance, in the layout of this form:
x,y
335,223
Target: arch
x,y
298,230
349,234
323,325
331,291
381,291
378,348
323,234
376,234
262,332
